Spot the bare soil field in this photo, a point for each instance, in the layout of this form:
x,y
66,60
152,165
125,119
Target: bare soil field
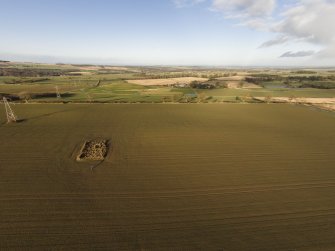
x,y
233,78
241,85
326,103
166,81
179,177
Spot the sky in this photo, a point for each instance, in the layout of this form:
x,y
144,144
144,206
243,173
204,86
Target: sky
x,y
169,32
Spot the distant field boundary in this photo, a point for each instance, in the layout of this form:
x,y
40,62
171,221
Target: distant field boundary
x,y
165,81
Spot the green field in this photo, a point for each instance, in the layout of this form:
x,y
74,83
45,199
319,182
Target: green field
x,y
179,177
36,83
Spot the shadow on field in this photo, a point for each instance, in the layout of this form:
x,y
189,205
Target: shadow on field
x,y
50,95
9,97
21,120
17,121
52,113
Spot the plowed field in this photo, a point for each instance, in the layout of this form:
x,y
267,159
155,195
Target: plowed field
x,y
178,177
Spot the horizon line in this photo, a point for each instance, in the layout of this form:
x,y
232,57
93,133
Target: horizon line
x,y
167,65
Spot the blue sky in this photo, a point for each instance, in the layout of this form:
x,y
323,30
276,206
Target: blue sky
x,y
164,32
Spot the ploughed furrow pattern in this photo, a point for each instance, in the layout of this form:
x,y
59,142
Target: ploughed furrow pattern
x,y
178,177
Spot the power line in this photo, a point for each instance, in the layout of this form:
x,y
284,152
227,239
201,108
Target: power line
x,y
9,112
57,92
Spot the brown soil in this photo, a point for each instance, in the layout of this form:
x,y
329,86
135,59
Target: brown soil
x,y
166,82
175,177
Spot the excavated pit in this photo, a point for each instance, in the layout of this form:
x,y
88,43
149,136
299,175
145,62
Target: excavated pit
x,y
93,150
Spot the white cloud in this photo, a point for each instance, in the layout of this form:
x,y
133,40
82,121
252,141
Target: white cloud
x,y
297,54
255,14
327,52
296,22
304,21
278,40
309,21
244,8
256,23
185,3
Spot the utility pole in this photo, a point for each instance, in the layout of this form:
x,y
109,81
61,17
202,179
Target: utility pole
x,y
9,112
57,92
89,98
